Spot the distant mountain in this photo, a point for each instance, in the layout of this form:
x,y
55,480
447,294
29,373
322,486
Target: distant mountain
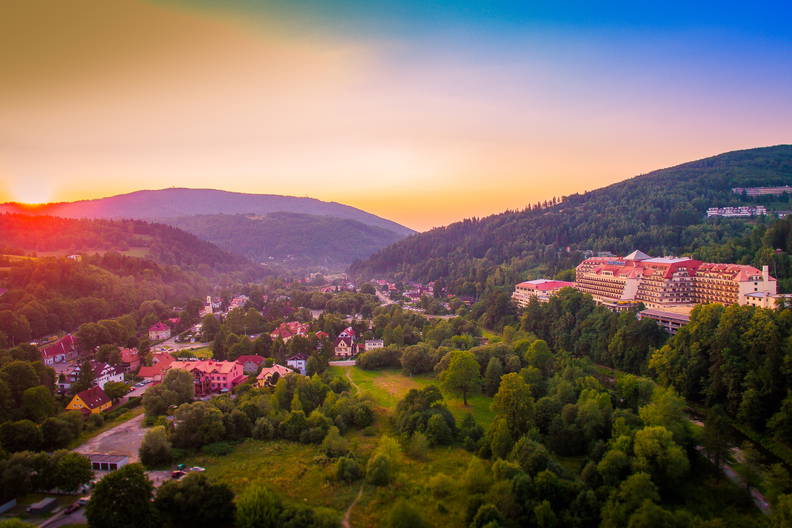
x,y
47,235
661,213
178,202
300,240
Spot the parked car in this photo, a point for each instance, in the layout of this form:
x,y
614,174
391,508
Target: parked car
x,y
198,469
83,500
176,475
73,507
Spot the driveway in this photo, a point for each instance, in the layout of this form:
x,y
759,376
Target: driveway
x,y
123,439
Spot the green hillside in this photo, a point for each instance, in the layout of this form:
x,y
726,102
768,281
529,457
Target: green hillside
x,y
299,240
661,213
48,235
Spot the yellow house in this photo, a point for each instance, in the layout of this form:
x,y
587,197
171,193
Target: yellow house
x,y
93,400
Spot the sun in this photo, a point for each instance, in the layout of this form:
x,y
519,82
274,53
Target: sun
x,y
32,193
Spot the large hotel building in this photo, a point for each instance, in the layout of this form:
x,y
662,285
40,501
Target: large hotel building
x,y
673,283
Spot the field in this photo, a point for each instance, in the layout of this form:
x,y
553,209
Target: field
x,y
301,474
386,387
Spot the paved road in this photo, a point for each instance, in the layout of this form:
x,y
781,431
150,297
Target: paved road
x,y
758,499
123,439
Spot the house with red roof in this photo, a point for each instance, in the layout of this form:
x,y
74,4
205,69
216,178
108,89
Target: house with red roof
x,y
159,331
90,401
298,362
250,363
159,364
212,376
62,350
286,331
130,359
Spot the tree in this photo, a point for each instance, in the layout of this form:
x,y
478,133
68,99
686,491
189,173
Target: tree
x,y
38,403
195,502
85,379
462,375
155,450
715,437
19,376
782,512
72,470
437,430
57,433
22,435
122,500
402,515
115,389
514,403
667,409
492,376
197,424
656,453
258,507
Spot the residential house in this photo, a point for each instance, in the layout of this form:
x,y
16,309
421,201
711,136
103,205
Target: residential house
x,y
159,331
159,364
90,401
130,359
345,347
250,363
286,331
63,350
298,362
267,378
212,376
102,373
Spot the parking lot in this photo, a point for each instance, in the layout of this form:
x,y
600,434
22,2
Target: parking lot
x,y
124,439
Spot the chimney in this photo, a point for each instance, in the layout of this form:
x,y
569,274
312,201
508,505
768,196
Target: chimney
x,y
766,273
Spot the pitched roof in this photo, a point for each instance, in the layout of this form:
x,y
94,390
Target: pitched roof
x,y
63,345
346,340
546,284
207,366
298,357
94,397
637,255
253,358
158,327
269,371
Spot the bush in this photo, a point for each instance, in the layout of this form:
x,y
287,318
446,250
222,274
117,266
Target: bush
x,y
263,430
437,430
380,470
441,485
402,515
156,449
380,358
347,469
218,449
418,446
334,445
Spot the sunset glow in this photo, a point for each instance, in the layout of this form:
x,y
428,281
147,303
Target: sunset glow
x,y
424,115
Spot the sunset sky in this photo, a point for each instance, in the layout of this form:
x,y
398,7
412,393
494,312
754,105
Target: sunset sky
x,y
417,111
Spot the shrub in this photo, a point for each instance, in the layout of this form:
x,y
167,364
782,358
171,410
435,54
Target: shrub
x,y
347,469
441,485
402,515
155,449
380,470
437,430
418,446
263,430
334,445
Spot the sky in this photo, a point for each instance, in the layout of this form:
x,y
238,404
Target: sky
x,y
423,112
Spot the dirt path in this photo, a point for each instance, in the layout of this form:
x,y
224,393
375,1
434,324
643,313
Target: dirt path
x,y
355,385
348,513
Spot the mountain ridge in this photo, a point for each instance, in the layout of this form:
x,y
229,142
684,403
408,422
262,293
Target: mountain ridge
x,y
150,204
661,212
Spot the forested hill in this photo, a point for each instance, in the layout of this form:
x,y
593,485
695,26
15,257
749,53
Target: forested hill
x,y
289,238
167,245
661,213
155,205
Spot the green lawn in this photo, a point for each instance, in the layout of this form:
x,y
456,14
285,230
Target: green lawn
x,y
201,353
386,387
